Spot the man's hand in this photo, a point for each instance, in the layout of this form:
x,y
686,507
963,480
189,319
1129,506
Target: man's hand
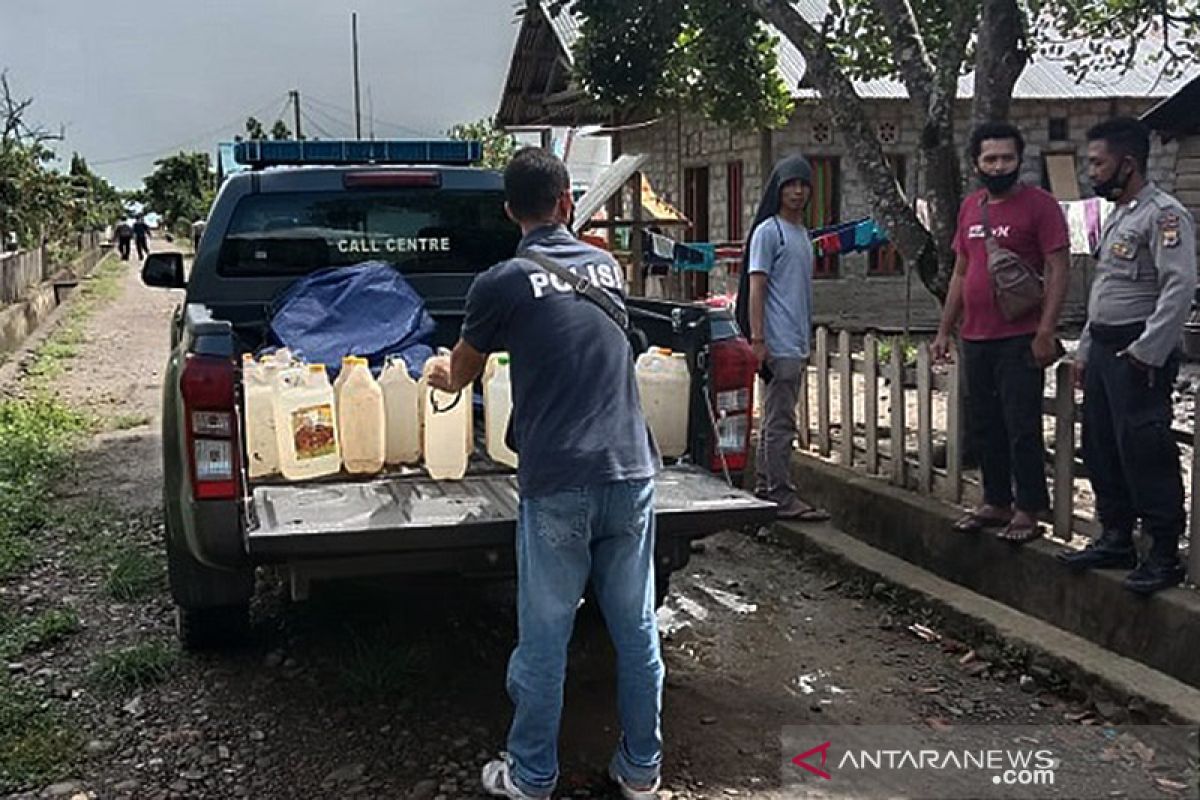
x,y
940,349
1045,349
1134,361
437,373
1078,373
760,351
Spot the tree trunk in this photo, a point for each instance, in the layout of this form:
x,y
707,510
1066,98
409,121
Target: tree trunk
x,y
1000,57
849,114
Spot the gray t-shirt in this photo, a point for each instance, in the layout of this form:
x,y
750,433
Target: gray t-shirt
x,y
784,253
577,418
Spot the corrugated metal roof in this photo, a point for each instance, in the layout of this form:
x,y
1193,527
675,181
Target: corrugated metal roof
x,y
565,25
1043,79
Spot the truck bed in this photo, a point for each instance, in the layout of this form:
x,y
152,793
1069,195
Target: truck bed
x,y
413,512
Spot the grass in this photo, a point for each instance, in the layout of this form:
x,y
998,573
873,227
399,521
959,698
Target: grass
x,y
134,668
908,351
133,574
19,635
63,345
37,439
36,746
103,540
378,665
126,422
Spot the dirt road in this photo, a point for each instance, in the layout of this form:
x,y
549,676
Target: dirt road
x,y
396,690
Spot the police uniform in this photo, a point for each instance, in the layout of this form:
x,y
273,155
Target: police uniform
x,y
1141,296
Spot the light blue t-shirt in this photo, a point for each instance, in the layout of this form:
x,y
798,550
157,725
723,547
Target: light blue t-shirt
x,y
784,253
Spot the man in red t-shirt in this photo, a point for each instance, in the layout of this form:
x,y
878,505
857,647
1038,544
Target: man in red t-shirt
x,y
1005,360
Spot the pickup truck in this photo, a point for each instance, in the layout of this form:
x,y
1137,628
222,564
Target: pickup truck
x,y
439,224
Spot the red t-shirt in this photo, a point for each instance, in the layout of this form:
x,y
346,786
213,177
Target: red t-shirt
x,y
1031,224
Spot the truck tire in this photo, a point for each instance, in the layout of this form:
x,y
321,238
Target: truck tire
x,y
218,628
212,605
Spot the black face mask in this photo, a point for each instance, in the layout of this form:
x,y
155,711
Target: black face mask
x,y
1114,187
998,184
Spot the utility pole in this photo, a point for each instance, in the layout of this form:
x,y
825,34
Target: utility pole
x,y
370,113
357,104
295,95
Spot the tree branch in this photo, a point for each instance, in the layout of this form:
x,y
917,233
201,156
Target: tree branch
x,y
908,47
849,113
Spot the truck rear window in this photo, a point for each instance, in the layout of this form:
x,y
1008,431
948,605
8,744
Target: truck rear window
x,y
418,230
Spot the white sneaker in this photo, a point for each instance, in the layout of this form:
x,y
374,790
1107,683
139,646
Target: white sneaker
x,y
497,781
631,792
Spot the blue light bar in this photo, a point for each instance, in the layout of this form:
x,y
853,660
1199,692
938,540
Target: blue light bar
x,y
268,153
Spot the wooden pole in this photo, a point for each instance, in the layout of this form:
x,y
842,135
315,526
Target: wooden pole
x,y
871,401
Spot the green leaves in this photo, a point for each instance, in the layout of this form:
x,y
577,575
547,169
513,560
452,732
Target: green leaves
x,y
648,56
180,187
1165,33
498,145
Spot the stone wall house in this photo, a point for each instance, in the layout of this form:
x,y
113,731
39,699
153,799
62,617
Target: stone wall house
x,y
1176,120
715,174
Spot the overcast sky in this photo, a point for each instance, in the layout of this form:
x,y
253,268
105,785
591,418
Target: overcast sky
x,y
131,82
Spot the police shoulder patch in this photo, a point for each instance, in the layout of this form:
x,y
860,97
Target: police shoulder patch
x,y
1168,229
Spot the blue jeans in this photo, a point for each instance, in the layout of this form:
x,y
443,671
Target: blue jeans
x,y
606,533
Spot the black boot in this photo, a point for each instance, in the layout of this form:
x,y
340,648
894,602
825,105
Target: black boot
x,y
1155,574
1113,550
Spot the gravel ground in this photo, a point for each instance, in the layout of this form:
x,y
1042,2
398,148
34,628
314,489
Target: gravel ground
x,y
396,689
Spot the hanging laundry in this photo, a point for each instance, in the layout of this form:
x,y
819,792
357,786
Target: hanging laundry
x,y
1085,220
847,238
868,234
662,247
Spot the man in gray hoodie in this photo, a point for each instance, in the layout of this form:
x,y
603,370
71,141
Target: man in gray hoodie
x,y
775,312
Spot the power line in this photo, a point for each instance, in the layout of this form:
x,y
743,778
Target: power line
x,y
314,125
399,126
183,144
335,122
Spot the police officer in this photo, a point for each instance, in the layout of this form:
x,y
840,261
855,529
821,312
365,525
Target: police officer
x,y
1127,361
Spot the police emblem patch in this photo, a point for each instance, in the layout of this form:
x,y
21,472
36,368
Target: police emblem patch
x,y
1168,229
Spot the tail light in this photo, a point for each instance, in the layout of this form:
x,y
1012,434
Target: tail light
x,y
207,385
733,372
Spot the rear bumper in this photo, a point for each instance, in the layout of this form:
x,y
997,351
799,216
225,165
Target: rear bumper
x,y
468,525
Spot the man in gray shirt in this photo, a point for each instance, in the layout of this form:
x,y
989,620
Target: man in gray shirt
x,y
779,266
1127,361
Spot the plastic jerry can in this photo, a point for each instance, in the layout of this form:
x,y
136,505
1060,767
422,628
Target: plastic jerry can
x,y
497,409
360,417
305,424
664,383
447,432
347,362
262,442
402,413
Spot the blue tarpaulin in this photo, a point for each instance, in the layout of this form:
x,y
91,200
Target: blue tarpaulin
x,y
366,310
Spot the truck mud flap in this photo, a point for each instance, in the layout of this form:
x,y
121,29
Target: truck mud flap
x,y
411,514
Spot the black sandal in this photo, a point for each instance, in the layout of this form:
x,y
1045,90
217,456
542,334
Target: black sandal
x,y
1021,534
974,523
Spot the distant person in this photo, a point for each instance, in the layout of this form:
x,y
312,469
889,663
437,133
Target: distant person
x,y
141,232
776,297
197,233
1006,347
124,236
1128,359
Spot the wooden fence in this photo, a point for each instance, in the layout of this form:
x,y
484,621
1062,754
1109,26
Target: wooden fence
x,y
910,455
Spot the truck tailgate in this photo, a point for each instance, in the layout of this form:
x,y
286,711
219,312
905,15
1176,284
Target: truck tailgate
x,y
398,514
